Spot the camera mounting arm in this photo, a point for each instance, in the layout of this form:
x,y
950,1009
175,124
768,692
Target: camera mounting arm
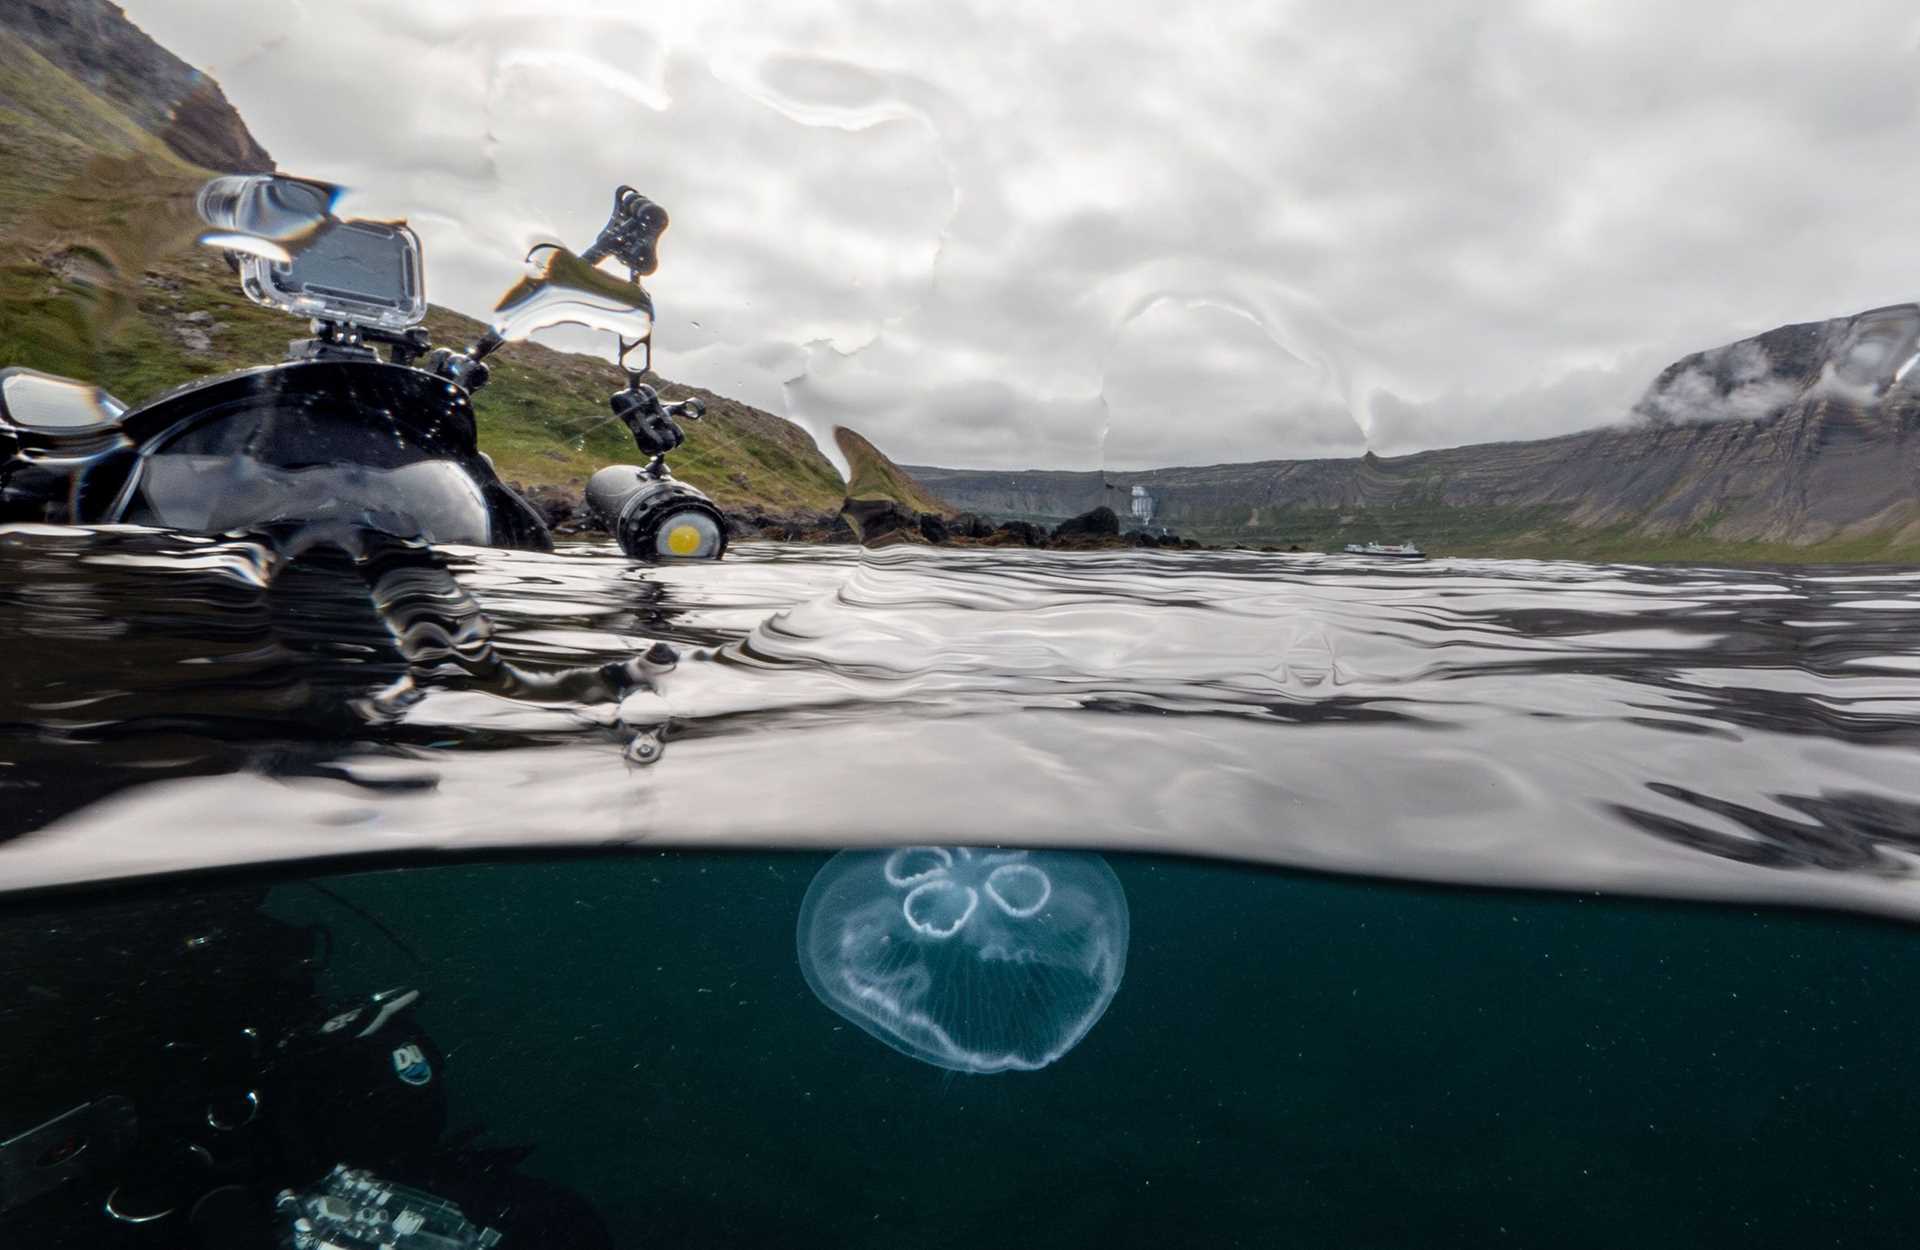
x,y
631,235
652,421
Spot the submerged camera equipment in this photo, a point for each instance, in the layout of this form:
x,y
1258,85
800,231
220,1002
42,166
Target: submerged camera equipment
x,y
214,1098
295,255
336,435
653,515
352,1209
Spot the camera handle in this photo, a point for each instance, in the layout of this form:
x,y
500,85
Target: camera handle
x,y
653,422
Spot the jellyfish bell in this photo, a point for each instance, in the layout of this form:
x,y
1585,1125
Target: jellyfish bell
x,y
970,959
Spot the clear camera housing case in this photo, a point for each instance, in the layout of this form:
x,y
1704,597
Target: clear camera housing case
x,y
365,272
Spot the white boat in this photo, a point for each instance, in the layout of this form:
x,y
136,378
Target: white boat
x,y
1392,551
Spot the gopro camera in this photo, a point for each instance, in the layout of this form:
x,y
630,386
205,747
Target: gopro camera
x,y
295,255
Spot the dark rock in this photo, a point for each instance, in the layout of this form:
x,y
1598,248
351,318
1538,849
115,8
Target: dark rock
x,y
972,525
1022,533
563,508
809,529
207,131
80,266
934,529
797,527
1098,523
872,519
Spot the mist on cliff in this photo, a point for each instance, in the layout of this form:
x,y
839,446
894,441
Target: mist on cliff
x,y
1732,383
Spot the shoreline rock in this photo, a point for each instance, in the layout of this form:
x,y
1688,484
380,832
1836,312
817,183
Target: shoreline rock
x,y
876,523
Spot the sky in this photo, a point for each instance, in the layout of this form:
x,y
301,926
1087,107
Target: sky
x,y
1129,234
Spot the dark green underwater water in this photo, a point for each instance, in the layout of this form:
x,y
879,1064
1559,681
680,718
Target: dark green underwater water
x,y
1291,1060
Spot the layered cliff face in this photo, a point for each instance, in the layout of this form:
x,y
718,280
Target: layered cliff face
x,y
1797,440
93,41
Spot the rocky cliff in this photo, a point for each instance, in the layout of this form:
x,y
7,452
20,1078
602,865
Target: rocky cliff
x,y
1801,441
93,41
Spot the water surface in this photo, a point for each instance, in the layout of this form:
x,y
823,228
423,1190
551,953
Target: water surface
x,y
1292,1058
1713,733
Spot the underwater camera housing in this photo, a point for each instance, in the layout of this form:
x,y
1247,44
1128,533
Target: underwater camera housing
x,y
335,437
294,255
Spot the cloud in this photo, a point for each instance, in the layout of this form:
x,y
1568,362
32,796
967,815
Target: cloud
x,y
1051,234
1732,383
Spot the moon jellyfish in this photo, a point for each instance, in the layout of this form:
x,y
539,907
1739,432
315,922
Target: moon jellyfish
x,y
974,960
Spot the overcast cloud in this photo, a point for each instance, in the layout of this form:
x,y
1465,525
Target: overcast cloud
x,y
989,235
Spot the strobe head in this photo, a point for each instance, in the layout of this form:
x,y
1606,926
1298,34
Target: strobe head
x,y
656,518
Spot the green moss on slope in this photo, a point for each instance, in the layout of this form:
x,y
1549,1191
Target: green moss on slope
x,y
99,276
871,476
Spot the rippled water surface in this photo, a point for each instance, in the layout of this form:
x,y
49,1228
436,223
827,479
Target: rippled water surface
x,y
172,701
1290,1058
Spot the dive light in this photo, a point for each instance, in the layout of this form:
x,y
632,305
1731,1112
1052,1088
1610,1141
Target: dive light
x,y
656,517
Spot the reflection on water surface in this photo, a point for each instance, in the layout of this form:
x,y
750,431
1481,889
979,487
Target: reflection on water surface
x,y
1715,733
1334,1060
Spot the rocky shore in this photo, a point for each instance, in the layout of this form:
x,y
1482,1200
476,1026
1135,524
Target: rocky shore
x,y
878,523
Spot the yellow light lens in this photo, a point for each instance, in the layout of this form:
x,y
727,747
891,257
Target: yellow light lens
x,y
683,540
688,534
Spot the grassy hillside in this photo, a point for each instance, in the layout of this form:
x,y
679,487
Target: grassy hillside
x,y
874,477
1536,533
100,279
51,126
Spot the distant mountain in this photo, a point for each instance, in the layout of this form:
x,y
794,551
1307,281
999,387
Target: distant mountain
x,y
1795,444
93,41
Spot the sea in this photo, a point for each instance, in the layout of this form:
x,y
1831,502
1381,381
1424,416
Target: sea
x,y
1468,903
